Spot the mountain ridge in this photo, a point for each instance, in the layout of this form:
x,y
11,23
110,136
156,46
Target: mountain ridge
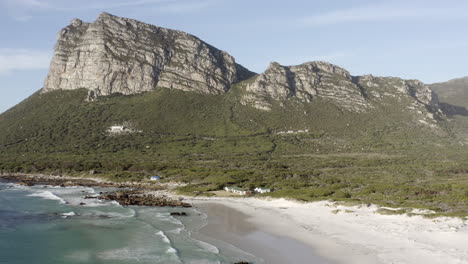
x,y
121,55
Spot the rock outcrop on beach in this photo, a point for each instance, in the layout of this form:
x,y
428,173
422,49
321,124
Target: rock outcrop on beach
x,y
141,198
121,55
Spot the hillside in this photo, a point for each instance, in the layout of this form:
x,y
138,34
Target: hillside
x,y
452,92
311,131
453,96
212,141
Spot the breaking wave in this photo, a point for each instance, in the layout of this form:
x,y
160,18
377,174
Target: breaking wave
x,y
48,196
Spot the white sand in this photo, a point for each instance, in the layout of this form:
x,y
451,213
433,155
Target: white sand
x,y
359,235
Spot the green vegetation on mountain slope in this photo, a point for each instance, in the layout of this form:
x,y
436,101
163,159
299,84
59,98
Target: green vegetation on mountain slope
x,y
453,96
383,156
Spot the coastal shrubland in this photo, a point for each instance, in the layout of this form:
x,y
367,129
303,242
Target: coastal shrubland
x,y
211,141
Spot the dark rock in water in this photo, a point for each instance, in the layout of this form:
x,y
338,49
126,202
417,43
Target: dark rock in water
x,y
104,216
82,204
27,183
242,262
11,219
179,214
90,197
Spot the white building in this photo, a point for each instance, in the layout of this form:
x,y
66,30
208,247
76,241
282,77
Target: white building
x,y
116,129
237,190
262,190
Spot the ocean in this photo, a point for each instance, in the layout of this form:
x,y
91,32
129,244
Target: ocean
x,y
43,224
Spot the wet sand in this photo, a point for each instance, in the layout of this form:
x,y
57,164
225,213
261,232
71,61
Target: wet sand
x,y
232,226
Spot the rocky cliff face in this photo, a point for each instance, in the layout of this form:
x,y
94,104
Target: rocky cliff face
x,y
312,80
305,82
120,55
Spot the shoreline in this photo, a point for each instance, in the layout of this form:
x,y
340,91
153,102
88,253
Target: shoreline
x,y
231,226
269,226
328,230
355,234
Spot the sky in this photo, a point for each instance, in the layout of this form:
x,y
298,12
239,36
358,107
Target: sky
x,y
411,39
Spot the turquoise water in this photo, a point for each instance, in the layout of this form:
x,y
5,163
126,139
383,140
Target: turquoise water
x,y
48,225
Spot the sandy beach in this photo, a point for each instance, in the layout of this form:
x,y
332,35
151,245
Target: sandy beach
x,y
285,231
282,231
232,226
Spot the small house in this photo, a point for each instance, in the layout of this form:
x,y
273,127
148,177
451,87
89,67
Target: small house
x,y
155,178
116,129
262,190
237,190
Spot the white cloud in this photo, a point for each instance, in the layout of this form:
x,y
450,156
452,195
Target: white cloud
x,y
102,5
384,13
23,59
25,10
185,6
170,6
29,3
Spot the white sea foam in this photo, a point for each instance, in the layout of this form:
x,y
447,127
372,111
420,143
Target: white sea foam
x,y
207,247
92,202
163,236
171,250
134,255
131,254
14,186
69,214
177,230
47,195
175,221
115,203
168,218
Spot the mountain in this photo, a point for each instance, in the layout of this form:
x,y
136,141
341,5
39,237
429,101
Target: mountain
x,y
323,80
453,96
453,92
120,55
125,100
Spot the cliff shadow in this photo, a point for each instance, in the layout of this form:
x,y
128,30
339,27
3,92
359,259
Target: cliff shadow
x,y
453,110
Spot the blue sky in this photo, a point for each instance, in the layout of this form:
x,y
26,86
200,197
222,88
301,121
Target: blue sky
x,y
412,39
